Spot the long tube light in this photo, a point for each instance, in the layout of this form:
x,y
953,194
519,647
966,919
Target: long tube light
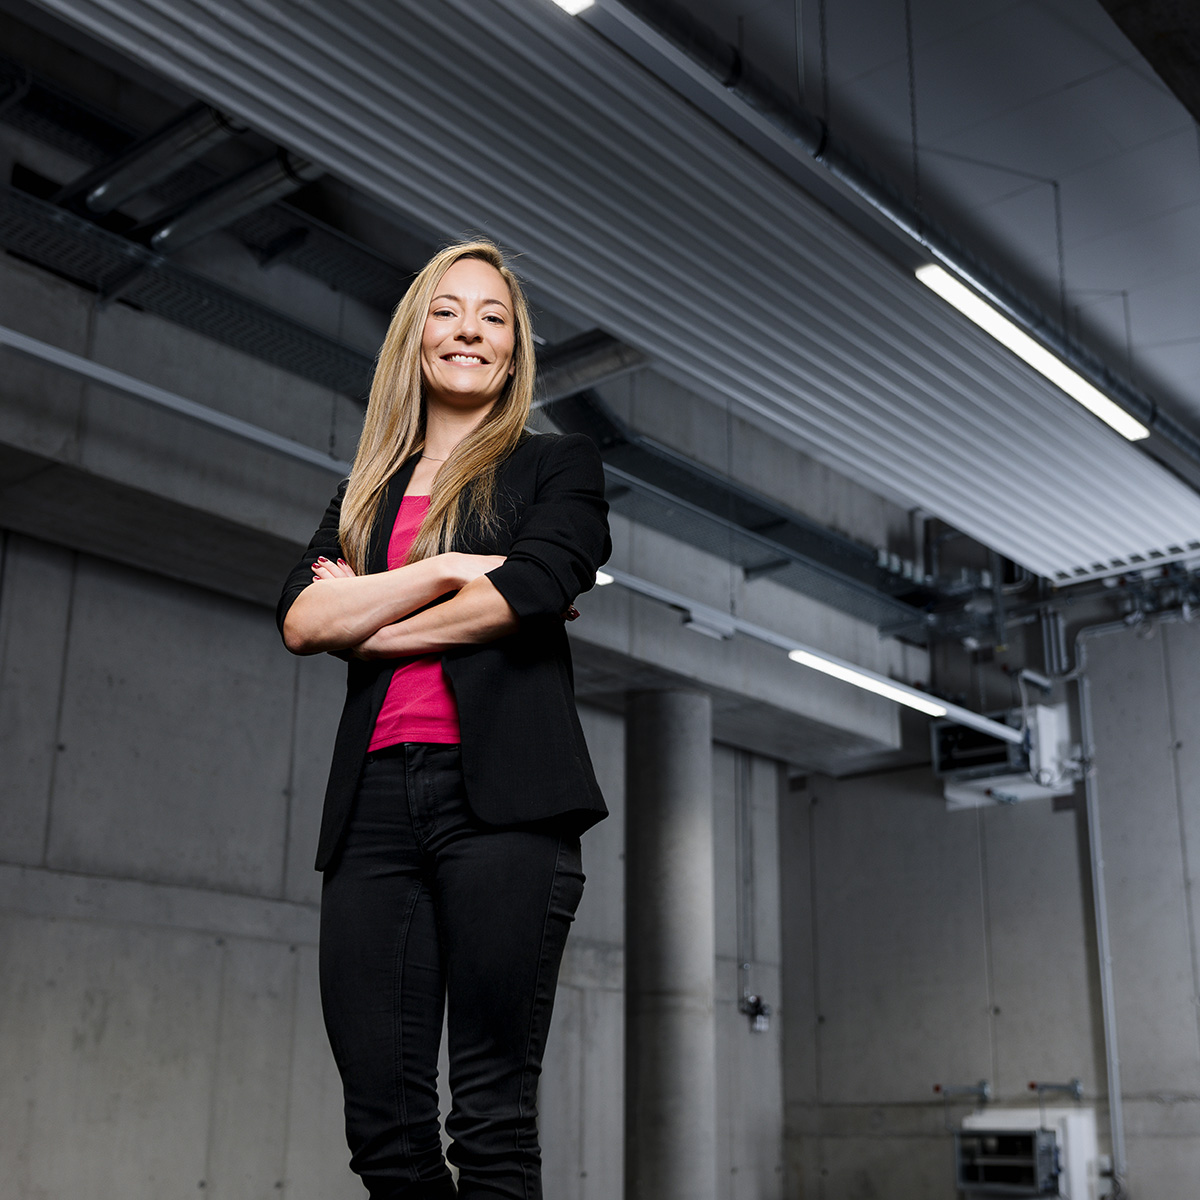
x,y
869,682
976,309
811,656
574,7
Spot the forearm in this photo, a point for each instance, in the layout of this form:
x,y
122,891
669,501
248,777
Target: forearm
x,y
337,614
478,613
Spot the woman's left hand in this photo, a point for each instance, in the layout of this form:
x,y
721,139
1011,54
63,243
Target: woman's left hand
x,y
325,568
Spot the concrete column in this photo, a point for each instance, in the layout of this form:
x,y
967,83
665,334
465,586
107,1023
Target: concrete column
x,y
670,1029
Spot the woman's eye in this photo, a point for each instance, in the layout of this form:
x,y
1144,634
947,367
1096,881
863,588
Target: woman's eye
x,y
493,317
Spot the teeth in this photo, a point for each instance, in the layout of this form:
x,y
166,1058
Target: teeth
x,y
464,358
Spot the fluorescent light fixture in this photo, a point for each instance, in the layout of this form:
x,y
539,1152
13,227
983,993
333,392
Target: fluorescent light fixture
x,y
574,7
1024,347
870,683
602,578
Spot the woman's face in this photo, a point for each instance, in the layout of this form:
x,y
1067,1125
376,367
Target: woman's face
x,y
468,340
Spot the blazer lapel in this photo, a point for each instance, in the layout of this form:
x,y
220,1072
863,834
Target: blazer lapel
x,y
381,532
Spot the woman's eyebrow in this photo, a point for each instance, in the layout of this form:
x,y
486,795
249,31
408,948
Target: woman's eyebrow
x,y
458,300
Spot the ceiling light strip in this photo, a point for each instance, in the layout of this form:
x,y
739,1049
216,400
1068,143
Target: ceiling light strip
x,y
819,660
992,322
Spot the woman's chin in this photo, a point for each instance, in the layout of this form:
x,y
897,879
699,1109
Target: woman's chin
x,y
462,397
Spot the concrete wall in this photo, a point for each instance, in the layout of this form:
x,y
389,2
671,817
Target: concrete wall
x,y
923,946
161,1026
158,999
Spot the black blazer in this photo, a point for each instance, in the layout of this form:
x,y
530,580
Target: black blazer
x,y
523,754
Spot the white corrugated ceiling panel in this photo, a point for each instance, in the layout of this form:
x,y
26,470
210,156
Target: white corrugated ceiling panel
x,y
628,205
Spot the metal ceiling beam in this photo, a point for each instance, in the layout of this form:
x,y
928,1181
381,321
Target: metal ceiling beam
x,y
96,258
654,486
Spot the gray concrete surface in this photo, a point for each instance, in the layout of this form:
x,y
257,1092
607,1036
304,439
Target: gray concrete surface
x,y
670,947
159,1000
923,946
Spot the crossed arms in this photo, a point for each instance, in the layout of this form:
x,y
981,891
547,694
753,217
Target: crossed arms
x,y
368,615
561,539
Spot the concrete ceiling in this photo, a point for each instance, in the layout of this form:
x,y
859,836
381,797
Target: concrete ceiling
x,y
1011,97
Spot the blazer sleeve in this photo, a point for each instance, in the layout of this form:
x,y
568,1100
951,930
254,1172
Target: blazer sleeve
x,y
324,542
563,535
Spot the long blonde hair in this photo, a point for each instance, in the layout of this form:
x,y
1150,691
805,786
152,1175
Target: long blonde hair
x,y
394,428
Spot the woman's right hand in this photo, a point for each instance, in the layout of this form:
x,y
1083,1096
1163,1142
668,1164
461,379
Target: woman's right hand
x,y
466,567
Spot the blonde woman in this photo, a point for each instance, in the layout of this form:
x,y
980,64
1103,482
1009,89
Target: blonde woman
x,y
443,571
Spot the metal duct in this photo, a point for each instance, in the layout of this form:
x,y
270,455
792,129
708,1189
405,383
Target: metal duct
x,y
629,207
151,160
583,362
249,190
97,258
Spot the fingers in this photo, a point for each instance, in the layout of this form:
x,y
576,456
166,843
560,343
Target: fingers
x,y
324,568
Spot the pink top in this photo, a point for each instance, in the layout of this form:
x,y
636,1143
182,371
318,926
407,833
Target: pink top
x,y
419,705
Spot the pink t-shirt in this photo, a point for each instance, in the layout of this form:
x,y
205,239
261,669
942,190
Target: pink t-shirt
x,y
419,705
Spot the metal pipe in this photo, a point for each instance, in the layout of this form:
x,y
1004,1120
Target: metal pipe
x,y
138,389
582,362
252,189
152,158
801,129
1116,1112
716,618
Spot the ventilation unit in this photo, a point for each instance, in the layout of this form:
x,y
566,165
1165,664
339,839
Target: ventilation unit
x,y
980,770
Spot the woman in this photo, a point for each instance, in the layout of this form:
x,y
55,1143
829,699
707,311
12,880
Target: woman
x,y
442,571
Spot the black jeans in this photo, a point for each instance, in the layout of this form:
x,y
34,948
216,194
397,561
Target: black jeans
x,y
426,904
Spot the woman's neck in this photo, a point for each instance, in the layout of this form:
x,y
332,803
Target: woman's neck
x,y
445,427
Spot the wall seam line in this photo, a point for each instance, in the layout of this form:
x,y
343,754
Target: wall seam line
x,y
56,750
215,1080
816,987
290,797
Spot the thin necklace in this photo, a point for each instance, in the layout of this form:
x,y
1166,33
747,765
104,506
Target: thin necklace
x,y
424,455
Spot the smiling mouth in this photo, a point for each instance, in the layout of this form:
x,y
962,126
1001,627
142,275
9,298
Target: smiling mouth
x,y
470,360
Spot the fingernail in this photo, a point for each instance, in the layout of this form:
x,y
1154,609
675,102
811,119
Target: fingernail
x,y
322,558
